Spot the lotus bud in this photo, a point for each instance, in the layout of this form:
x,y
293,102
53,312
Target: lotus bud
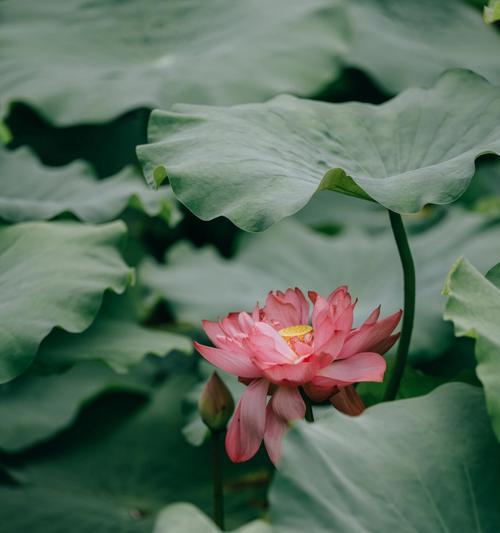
x,y
216,404
348,401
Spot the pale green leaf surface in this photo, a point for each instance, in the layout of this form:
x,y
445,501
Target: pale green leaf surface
x,y
199,284
258,163
33,408
422,465
77,61
53,274
474,307
115,338
31,191
408,43
114,470
186,518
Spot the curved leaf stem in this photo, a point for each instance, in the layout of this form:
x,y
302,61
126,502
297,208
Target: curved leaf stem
x,y
399,232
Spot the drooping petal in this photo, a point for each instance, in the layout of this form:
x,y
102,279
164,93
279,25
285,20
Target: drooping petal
x,y
288,403
247,427
287,309
273,437
268,346
348,401
320,389
236,364
366,366
371,335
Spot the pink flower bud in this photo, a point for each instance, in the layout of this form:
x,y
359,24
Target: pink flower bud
x,y
216,404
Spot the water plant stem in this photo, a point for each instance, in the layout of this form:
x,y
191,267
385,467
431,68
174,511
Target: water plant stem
x,y
309,412
218,477
399,232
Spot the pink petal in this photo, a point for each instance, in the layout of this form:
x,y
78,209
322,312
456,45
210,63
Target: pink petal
x,y
373,317
236,364
370,335
295,374
320,389
268,346
326,320
360,367
348,401
287,309
247,427
385,345
333,345
340,297
213,331
288,403
273,437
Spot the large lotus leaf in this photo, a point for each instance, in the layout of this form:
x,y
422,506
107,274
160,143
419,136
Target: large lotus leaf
x,y
199,284
79,61
33,408
53,274
403,43
115,337
31,191
474,307
426,464
114,470
186,518
258,163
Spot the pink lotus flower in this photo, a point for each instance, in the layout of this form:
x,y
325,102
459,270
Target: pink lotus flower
x,y
274,351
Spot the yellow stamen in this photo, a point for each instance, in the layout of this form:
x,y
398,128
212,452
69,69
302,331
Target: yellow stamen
x,y
299,331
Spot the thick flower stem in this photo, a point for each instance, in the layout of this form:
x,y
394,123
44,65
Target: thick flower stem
x,y
309,412
399,232
217,475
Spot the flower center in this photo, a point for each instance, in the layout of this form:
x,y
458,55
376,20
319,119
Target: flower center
x,y
299,332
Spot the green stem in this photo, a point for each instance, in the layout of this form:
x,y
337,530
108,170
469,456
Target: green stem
x,y
217,452
399,232
307,401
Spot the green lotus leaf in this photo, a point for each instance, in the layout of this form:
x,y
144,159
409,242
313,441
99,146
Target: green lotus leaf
x,y
117,467
53,274
115,338
403,43
474,307
198,284
256,164
33,408
426,464
78,61
186,518
31,191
